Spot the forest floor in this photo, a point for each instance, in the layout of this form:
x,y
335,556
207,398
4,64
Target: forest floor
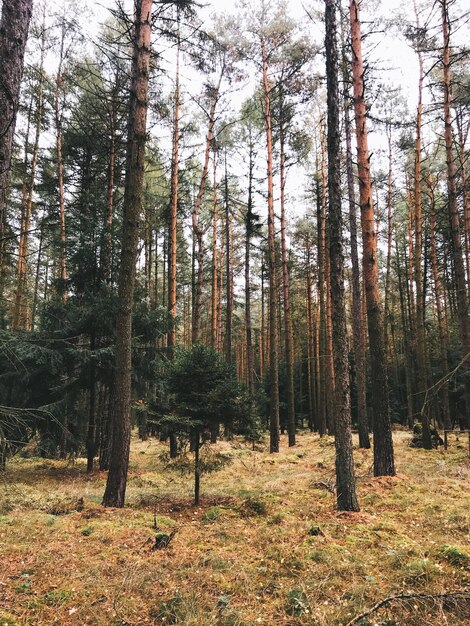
x,y
266,545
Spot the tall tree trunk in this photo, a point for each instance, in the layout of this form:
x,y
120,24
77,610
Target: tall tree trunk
x,y
345,480
322,333
328,333
443,339
215,218
288,332
198,231
357,318
62,285
133,189
462,139
384,464
21,317
14,27
228,270
312,360
273,291
406,340
457,252
91,437
171,342
34,304
418,271
248,234
388,273
197,467
106,253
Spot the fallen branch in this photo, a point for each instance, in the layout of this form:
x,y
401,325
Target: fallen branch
x,y
449,595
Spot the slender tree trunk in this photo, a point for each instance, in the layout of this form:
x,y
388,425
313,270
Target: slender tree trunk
x,y
443,339
418,271
34,305
462,138
328,333
197,467
215,218
14,27
228,271
22,318
91,438
22,271
273,291
389,231
329,338
171,342
133,189
457,252
312,360
60,172
248,234
198,232
357,318
345,480
406,341
106,253
288,332
384,464
322,333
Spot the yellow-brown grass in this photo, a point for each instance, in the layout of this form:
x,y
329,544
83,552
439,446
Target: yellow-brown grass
x,y
266,546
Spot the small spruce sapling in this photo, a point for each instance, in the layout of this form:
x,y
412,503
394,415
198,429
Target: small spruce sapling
x,y
205,392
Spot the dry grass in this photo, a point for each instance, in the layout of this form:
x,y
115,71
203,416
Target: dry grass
x,y
265,547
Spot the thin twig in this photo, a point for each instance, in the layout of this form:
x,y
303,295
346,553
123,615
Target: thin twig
x,y
463,594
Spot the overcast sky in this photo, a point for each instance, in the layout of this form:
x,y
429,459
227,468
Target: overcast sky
x,y
386,51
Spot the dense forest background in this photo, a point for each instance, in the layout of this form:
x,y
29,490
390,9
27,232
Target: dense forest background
x,y
286,275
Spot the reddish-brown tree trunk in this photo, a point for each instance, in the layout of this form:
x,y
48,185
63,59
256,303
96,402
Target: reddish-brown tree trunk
x,y
132,208
357,317
384,464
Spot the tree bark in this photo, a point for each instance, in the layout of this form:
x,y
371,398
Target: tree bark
x,y
457,252
62,285
418,271
288,332
198,231
215,218
322,349
248,234
133,188
171,342
228,270
443,338
273,291
14,27
22,317
345,480
384,464
357,318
